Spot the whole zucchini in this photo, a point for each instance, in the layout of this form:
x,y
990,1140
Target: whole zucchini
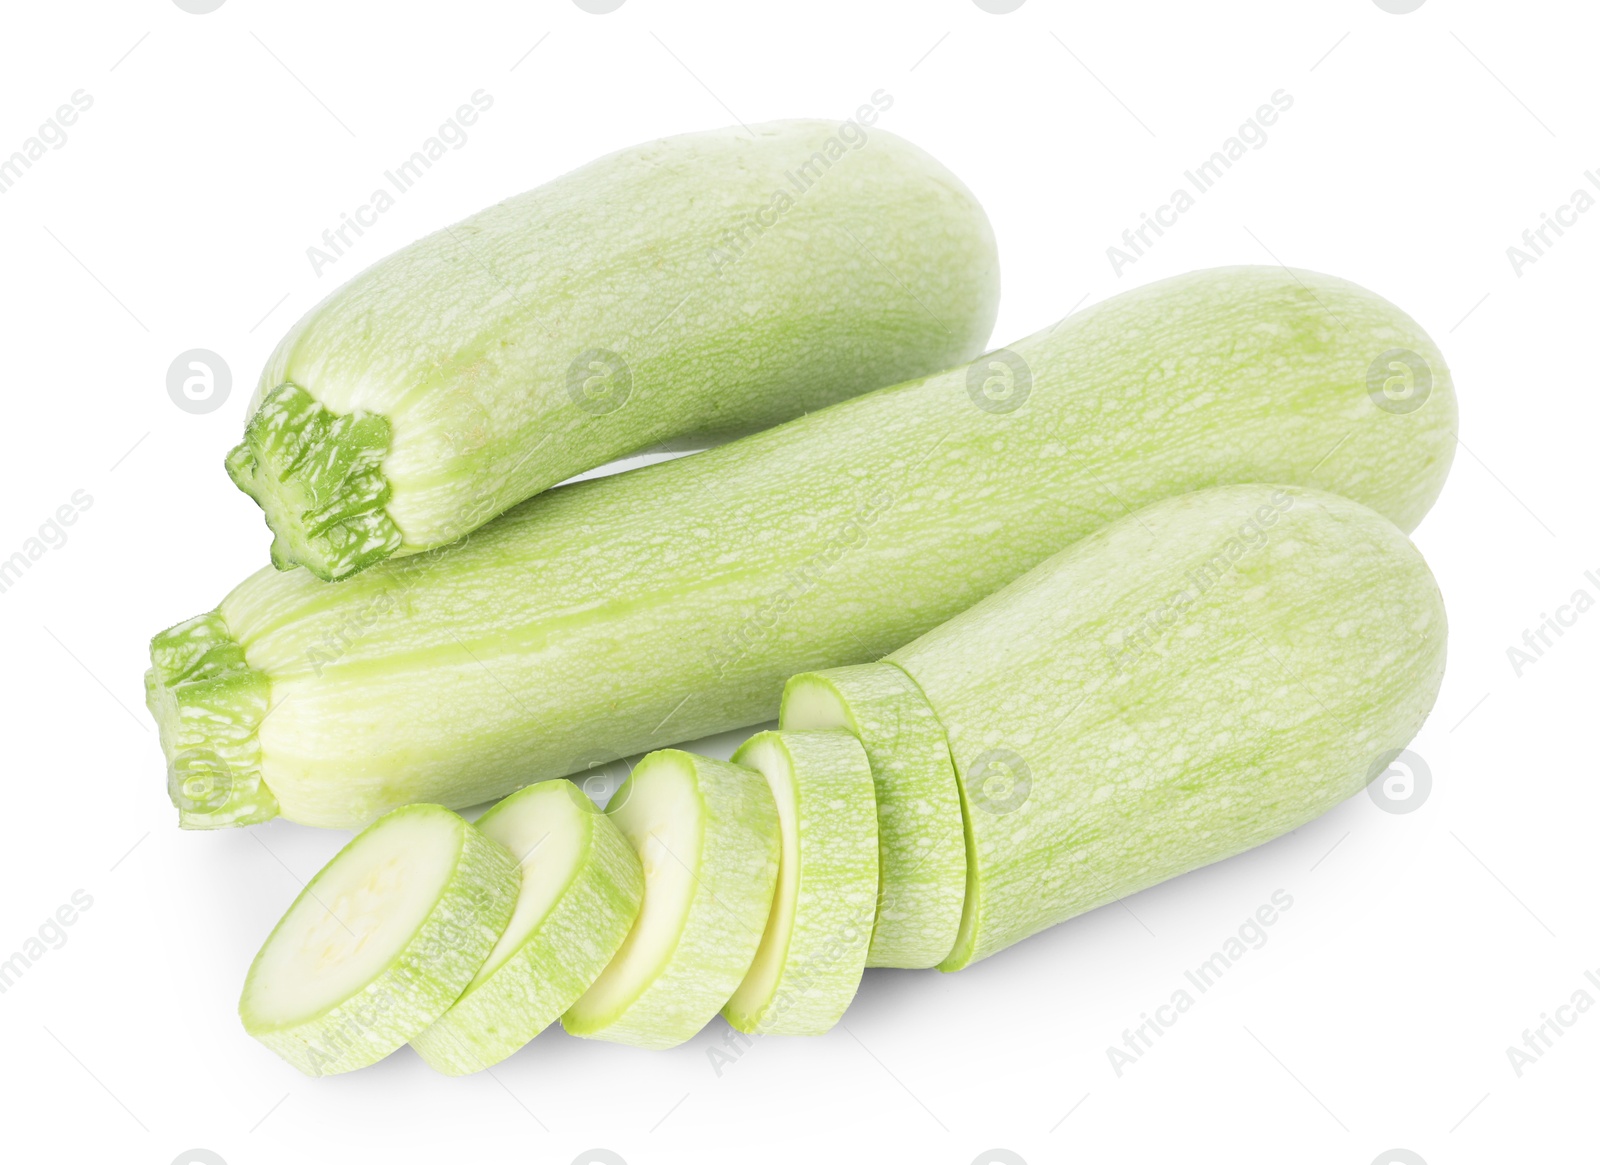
x,y
673,601
697,286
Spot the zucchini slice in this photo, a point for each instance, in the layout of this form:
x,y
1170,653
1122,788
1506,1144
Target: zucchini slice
x,y
381,942
706,832
815,946
922,856
580,892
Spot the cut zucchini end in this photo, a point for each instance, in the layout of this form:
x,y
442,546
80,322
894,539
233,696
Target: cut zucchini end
x,y
812,702
208,703
318,477
964,952
381,942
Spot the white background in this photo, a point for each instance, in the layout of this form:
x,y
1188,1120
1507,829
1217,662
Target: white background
x,y
177,215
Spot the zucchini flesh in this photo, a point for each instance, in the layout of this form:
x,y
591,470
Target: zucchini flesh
x,y
672,602
922,857
701,285
706,832
814,949
580,891
1178,687
380,943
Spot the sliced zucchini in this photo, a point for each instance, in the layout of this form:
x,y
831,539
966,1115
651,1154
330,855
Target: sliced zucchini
x,y
381,942
815,945
581,888
706,832
922,855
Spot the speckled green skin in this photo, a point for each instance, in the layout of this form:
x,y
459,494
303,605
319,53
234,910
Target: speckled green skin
x,y
922,857
734,874
1172,690
422,981
737,282
672,602
558,959
837,890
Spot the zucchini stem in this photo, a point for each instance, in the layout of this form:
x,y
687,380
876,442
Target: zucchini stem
x,y
318,477
208,703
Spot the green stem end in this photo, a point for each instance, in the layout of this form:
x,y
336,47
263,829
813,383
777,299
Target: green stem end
x,y
318,477
208,703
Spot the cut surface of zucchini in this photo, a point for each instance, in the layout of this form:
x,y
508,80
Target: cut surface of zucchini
x,y
580,891
380,942
706,832
815,945
922,855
